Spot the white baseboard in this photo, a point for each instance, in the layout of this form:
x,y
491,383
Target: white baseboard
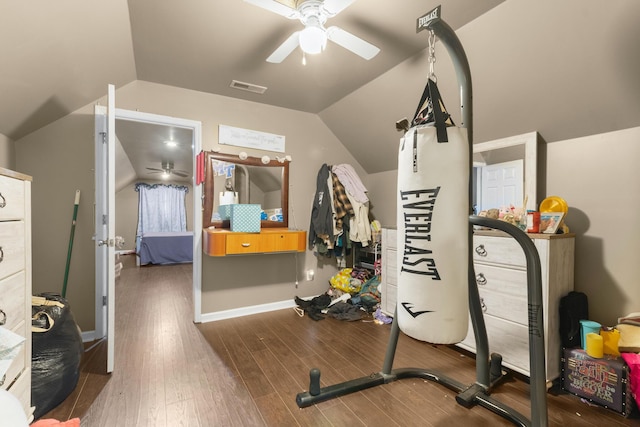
x,y
246,311
88,336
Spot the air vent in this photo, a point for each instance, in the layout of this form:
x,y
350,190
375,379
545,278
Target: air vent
x,y
248,87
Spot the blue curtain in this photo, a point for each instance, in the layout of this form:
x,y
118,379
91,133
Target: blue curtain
x,y
161,207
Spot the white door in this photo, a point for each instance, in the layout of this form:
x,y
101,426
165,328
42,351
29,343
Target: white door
x,y
105,223
502,185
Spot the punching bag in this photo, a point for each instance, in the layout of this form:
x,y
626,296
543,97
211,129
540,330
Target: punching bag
x,y
432,225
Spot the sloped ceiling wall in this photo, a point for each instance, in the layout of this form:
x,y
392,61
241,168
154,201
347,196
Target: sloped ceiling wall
x,y
566,69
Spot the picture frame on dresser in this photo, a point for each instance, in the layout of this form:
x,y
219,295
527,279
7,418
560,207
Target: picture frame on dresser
x,y
550,221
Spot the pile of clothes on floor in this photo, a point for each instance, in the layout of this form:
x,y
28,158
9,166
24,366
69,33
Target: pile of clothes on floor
x,y
353,295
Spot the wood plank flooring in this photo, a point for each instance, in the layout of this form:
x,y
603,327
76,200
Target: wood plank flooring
x,y
247,371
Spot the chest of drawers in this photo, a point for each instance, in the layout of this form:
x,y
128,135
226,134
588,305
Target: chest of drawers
x,y
501,277
389,275
500,270
15,278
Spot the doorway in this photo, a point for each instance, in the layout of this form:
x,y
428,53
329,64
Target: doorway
x,y
139,135
498,185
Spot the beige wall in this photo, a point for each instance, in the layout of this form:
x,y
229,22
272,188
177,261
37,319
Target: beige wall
x,y
227,283
60,158
534,67
7,154
599,176
127,212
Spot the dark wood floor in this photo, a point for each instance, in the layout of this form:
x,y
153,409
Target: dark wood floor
x,y
247,371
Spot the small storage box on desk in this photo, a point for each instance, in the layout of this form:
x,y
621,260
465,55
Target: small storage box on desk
x,y
602,381
245,218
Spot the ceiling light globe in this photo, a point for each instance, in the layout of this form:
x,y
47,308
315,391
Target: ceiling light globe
x,y
313,40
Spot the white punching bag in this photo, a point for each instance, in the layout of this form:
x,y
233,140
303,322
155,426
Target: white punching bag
x,y
432,230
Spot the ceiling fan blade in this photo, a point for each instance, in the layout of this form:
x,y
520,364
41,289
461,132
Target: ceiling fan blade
x,y
275,7
333,7
180,174
284,49
156,170
352,43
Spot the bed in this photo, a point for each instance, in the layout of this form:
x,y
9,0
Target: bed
x,y
165,248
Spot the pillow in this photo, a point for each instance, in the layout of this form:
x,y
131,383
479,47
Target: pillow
x,y
629,338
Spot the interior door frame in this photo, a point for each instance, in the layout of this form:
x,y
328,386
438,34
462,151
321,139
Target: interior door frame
x,y
105,295
196,127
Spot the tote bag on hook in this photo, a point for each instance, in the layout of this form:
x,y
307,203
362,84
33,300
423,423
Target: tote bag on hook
x,y
432,217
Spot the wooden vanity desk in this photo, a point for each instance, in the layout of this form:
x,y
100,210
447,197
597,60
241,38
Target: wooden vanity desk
x,y
222,242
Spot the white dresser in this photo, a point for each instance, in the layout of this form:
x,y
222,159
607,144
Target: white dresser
x,y
500,268
15,278
389,277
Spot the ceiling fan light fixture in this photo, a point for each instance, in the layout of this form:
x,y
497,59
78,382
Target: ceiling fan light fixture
x,y
313,40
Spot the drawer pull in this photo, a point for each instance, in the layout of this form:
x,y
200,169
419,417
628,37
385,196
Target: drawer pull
x,y
480,250
483,305
1,254
3,203
3,317
246,245
481,279
4,378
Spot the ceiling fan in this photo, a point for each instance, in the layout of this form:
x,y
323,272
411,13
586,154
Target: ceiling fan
x,y
167,170
313,38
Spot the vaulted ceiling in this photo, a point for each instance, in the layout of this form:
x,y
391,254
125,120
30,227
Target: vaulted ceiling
x,y
59,56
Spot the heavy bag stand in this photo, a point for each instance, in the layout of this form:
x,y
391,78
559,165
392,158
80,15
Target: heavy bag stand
x,y
488,368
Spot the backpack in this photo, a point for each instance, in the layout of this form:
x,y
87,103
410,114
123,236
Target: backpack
x,y
573,308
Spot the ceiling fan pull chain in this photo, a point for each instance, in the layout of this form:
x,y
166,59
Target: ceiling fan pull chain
x,y
432,54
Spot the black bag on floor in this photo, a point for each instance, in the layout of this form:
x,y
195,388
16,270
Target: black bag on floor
x,y
574,307
56,353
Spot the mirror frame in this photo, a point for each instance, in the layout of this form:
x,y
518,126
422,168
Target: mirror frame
x,y
530,141
209,192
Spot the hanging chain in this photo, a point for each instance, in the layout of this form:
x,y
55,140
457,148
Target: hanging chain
x,y
432,54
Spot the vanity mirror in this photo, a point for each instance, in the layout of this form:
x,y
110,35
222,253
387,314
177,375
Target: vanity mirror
x,y
504,172
231,179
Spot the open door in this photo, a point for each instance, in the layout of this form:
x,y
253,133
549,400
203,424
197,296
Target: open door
x,y
105,223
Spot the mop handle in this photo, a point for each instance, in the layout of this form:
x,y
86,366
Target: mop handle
x,y
73,229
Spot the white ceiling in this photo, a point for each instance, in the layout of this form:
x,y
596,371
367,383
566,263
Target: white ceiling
x,y
59,56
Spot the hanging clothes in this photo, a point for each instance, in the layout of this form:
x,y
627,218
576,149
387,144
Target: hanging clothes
x,y
359,225
321,226
341,202
351,181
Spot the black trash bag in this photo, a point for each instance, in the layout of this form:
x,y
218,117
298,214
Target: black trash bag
x,y
56,353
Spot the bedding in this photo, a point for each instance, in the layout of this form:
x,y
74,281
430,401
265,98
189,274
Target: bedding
x,y
165,248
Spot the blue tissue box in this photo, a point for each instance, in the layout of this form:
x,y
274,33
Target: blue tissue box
x,y
224,211
245,218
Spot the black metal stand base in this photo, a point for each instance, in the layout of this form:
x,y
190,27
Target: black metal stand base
x,y
474,394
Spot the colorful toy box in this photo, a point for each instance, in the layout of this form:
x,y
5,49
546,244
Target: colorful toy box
x,y
603,381
245,218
